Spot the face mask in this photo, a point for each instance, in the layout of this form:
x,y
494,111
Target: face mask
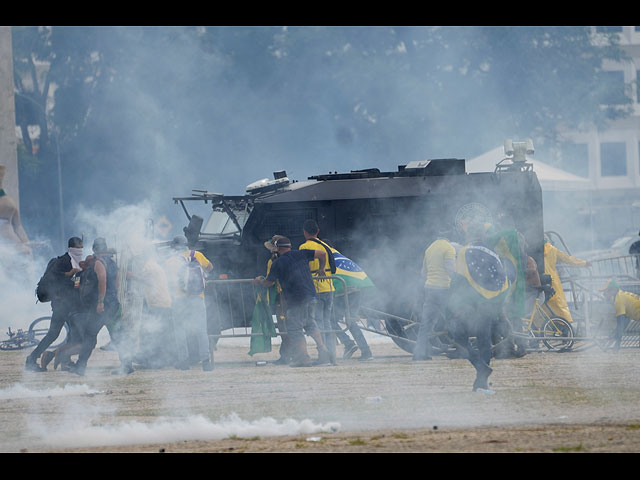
x,y
76,256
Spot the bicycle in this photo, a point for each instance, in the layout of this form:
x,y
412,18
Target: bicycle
x,y
19,340
542,325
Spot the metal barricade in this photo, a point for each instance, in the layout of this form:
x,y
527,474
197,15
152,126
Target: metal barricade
x,y
583,286
230,305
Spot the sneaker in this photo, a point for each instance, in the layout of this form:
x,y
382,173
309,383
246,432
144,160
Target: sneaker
x,y
324,359
32,366
281,361
207,366
365,357
348,352
482,379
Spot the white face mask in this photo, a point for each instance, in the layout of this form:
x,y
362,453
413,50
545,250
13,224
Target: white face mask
x,y
76,256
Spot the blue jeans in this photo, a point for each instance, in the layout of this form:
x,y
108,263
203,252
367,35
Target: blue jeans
x,y
322,308
433,311
340,312
60,310
299,320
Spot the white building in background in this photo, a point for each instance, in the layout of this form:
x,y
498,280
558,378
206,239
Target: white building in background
x,y
606,205
611,158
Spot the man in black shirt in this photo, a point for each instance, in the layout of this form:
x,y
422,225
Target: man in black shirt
x,y
291,270
63,301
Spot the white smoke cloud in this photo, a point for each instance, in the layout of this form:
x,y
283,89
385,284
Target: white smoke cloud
x,y
21,391
84,434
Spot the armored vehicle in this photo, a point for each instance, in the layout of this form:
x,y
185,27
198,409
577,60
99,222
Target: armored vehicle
x,y
383,221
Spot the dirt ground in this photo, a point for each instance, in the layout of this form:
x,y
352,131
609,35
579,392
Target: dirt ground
x,y
582,401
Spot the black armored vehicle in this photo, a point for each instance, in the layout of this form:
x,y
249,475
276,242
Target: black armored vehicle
x,y
383,221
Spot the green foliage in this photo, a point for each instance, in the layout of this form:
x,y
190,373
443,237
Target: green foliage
x,y
132,106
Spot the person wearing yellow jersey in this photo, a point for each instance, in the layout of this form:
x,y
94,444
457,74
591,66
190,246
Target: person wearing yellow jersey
x,y
437,267
553,256
627,308
190,315
322,306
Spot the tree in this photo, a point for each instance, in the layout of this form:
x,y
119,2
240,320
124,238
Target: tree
x,y
151,112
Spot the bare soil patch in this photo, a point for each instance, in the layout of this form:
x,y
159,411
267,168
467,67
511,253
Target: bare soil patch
x,y
582,401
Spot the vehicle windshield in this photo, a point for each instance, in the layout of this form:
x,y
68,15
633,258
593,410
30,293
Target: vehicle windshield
x,y
220,223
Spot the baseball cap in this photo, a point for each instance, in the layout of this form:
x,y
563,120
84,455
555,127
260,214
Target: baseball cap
x,y
282,242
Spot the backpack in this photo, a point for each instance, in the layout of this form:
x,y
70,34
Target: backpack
x,y
88,288
192,276
47,285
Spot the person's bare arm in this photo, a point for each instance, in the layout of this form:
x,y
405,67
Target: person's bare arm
x,y
101,273
321,255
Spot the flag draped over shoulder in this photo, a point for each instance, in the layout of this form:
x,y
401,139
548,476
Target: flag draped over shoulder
x,y
261,324
483,270
350,272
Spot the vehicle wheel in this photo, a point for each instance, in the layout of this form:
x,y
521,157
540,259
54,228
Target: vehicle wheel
x,y
558,327
39,328
402,336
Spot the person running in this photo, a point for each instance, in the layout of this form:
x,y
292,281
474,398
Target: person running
x,y
63,296
102,308
478,292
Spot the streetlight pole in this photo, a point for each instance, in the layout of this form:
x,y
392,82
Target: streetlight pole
x,y
55,133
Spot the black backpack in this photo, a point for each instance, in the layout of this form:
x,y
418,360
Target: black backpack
x,y
88,288
47,286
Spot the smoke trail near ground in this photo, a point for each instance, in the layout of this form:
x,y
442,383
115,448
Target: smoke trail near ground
x,y
21,391
197,427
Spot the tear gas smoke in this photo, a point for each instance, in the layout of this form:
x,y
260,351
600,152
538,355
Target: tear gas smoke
x,y
176,152
83,434
20,391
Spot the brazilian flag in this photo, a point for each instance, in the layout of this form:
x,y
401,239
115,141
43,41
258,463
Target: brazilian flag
x,y
262,325
350,272
506,243
483,270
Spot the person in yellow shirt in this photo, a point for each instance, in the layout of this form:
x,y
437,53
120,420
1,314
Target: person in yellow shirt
x,y
189,311
553,256
437,267
322,306
627,308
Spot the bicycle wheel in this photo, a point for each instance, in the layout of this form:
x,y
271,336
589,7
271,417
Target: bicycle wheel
x,y
558,334
19,342
39,328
